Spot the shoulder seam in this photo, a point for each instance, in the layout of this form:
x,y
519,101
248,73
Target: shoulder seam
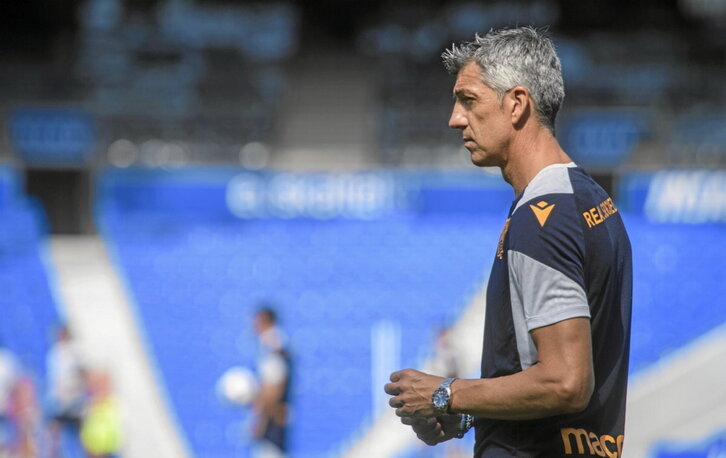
x,y
549,180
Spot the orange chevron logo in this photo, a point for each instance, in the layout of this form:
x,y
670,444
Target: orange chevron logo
x,y
542,211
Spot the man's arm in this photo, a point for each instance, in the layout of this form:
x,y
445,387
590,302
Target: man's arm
x,y
266,406
268,398
561,381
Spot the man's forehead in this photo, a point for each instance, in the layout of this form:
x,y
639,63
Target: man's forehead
x,y
468,78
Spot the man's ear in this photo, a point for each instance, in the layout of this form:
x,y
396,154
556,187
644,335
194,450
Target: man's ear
x,y
518,103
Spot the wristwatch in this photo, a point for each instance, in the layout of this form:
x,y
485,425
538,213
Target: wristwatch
x,y
442,396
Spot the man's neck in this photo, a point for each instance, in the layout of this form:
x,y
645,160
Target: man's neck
x,y
529,153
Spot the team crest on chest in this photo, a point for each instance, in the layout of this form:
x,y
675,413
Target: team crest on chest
x,y
500,246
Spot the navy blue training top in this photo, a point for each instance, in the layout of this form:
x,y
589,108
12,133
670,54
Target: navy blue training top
x,y
563,253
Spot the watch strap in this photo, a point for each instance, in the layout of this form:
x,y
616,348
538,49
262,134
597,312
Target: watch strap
x,y
447,383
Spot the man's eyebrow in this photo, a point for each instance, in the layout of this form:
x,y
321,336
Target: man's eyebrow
x,y
458,93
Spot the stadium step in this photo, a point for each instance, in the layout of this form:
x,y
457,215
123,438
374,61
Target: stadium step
x,y
680,397
100,312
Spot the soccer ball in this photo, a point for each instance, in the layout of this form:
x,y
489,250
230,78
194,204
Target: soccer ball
x,y
237,386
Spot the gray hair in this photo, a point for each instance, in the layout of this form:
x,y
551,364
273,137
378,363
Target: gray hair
x,y
519,56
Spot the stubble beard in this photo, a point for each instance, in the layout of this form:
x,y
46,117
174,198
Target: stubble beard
x,y
482,159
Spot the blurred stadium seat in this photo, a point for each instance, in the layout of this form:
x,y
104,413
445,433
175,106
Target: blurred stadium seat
x,y
184,83
197,275
28,311
197,283
678,280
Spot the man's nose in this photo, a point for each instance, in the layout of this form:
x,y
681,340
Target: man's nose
x,y
457,119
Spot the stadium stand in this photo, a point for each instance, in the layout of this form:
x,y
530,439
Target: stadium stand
x,y
197,282
711,446
672,264
27,307
600,74
197,275
174,83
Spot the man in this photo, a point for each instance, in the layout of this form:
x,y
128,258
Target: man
x,y
67,393
101,430
557,330
9,377
271,402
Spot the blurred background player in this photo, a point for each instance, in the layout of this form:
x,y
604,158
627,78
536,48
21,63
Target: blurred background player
x,y
67,394
446,361
101,428
27,417
9,376
272,402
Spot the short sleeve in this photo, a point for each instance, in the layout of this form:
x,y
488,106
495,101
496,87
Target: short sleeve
x,y
546,262
273,369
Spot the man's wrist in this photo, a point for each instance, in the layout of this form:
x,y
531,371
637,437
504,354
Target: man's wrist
x,y
449,406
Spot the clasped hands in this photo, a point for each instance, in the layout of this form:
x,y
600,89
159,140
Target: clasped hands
x,y
411,392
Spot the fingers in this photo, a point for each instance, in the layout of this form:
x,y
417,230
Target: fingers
x,y
409,421
402,410
416,421
396,403
423,425
433,440
427,430
431,435
407,399
392,388
398,375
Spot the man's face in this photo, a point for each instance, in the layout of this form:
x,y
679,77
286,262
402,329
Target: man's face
x,y
261,323
480,116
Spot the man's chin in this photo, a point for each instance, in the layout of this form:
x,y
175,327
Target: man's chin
x,y
481,161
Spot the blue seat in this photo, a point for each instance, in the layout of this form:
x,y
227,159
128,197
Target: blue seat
x,y
28,311
332,282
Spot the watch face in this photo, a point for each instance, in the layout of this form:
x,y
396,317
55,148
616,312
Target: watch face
x,y
440,398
